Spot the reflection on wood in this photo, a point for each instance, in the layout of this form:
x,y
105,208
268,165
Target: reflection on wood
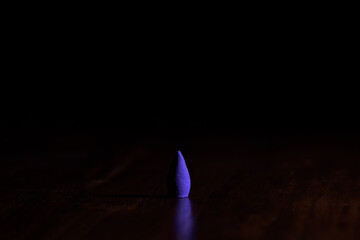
x,y
184,220
242,188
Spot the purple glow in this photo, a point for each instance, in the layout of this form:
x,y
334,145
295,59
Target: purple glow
x,y
184,224
179,178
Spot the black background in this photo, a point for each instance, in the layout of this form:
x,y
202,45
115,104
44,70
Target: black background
x,y
228,72
262,103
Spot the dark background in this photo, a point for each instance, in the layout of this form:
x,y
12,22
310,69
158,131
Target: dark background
x,y
234,71
265,111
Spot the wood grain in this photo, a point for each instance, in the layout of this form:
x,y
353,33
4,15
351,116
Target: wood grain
x,y
112,185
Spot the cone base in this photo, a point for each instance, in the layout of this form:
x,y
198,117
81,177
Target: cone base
x,y
183,196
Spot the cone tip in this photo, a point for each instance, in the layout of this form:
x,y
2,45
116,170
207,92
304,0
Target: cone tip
x,y
179,154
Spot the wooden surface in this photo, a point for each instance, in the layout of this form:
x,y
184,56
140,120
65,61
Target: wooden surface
x,y
112,185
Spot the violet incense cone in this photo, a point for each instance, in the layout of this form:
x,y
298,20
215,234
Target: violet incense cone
x,y
178,182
